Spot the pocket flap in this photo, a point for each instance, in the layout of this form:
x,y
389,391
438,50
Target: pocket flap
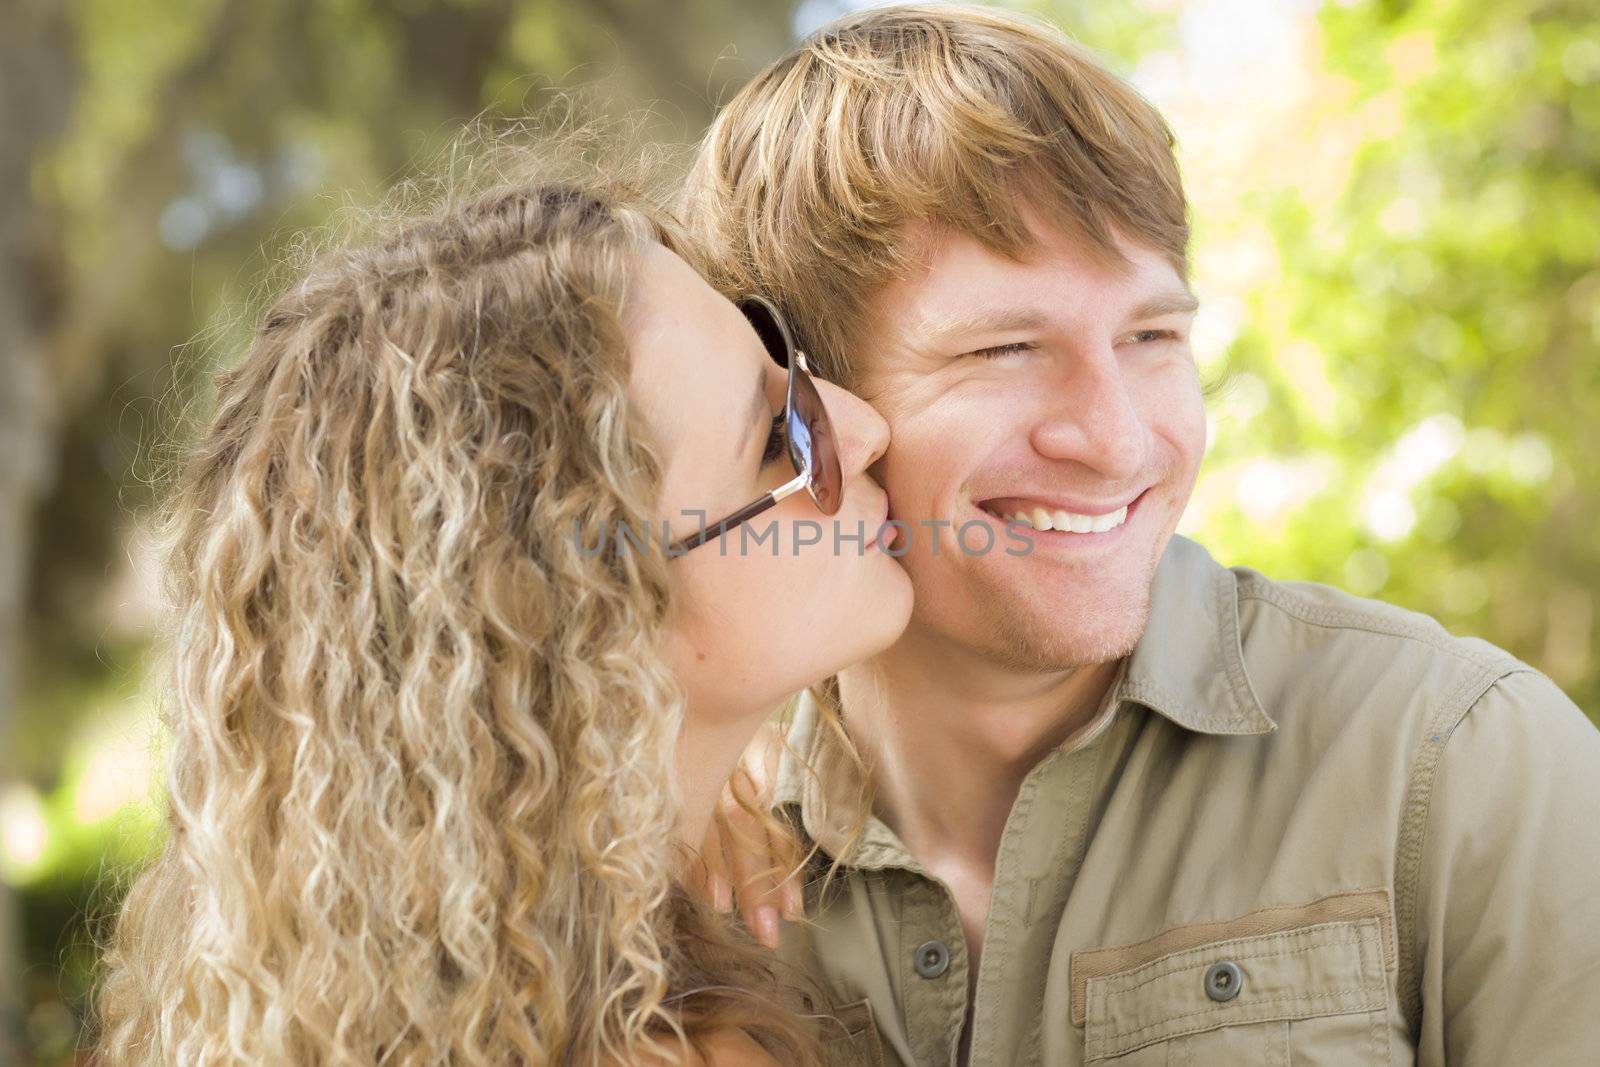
x,y
1134,995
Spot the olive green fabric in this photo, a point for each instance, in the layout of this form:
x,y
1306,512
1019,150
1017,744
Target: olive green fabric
x,y
1303,828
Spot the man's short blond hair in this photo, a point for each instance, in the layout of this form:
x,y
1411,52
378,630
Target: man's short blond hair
x,y
808,184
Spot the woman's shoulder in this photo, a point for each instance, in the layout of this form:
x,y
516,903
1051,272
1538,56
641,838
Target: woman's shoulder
x,y
729,1047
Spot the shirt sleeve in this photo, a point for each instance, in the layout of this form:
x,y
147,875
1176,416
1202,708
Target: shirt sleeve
x,y
1508,909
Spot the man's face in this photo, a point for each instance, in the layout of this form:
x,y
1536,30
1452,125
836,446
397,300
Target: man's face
x,y
1055,387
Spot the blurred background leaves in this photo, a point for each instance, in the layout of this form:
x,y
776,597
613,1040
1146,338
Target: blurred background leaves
x,y
1397,221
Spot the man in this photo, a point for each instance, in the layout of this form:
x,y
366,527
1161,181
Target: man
x,y
1127,806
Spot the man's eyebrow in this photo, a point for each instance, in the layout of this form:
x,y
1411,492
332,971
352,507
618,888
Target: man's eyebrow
x,y
934,329
1173,302
760,415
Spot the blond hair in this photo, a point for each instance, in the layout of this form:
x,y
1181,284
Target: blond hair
x,y
420,733
805,185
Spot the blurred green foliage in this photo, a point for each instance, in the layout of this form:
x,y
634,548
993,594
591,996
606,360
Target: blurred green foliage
x,y
1409,395
1444,318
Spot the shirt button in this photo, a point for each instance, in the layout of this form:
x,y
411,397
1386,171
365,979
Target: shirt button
x,y
1223,980
932,958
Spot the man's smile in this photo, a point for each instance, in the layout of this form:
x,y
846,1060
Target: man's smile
x,y
1066,520
1055,514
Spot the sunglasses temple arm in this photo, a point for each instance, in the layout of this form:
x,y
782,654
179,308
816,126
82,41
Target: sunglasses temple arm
x,y
716,529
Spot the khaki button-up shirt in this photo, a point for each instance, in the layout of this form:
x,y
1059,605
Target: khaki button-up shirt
x,y
1304,828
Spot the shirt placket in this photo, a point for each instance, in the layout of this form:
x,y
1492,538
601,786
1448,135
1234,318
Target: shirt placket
x,y
1041,852
932,967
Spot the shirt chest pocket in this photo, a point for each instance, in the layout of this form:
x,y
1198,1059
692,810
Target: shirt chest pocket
x,y
1316,993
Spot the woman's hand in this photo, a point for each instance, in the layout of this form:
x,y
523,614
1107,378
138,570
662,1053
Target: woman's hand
x,y
746,851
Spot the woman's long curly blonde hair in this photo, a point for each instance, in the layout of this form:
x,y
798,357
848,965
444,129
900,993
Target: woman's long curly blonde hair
x,y
421,734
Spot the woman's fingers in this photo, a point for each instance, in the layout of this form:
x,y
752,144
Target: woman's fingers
x,y
786,854
748,849
752,850
715,882
760,767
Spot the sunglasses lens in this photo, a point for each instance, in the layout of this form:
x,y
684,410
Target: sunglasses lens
x,y
811,444
812,447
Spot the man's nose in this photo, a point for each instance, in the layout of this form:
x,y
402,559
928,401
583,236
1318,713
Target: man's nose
x,y
1093,419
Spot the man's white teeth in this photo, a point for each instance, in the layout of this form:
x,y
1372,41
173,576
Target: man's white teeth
x,y
1040,519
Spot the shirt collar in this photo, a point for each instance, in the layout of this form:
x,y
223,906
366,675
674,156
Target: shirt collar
x,y
1188,667
817,775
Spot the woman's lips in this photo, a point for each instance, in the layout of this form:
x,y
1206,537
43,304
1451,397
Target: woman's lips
x,y
883,534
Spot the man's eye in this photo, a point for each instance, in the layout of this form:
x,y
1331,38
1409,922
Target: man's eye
x,y
774,447
1142,337
1003,350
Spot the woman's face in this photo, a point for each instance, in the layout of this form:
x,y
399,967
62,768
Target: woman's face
x,y
754,620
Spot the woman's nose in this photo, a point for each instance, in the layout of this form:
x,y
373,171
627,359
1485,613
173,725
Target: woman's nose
x,y
860,430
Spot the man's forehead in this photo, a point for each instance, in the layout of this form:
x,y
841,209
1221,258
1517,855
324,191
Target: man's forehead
x,y
929,244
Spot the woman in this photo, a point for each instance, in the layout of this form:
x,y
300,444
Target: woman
x,y
440,730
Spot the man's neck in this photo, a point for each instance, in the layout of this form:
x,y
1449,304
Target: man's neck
x,y
951,735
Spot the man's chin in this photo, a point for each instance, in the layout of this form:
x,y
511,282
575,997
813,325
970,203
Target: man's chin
x,y
1066,647
1078,629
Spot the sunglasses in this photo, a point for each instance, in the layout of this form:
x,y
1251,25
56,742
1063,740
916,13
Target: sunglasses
x,y
812,447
